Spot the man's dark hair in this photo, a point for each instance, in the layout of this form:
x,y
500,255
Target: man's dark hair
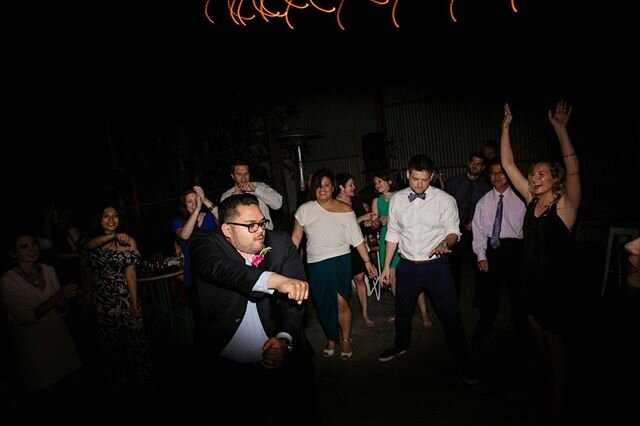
x,y
494,161
491,144
421,163
239,163
478,154
228,207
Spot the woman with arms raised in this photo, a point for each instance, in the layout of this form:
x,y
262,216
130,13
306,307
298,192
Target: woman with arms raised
x,y
552,194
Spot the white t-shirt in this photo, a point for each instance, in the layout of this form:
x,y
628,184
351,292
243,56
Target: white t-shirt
x,y
328,234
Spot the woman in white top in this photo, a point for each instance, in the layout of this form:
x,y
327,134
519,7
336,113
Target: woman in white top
x,y
330,227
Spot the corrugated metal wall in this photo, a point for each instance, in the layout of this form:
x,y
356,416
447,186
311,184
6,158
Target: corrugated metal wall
x,y
448,129
445,128
343,117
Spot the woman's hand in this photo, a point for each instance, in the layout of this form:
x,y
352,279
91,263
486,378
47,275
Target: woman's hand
x,y
560,117
508,117
121,238
68,292
136,310
371,270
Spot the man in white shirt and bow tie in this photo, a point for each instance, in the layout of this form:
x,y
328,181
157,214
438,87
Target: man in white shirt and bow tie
x,y
423,223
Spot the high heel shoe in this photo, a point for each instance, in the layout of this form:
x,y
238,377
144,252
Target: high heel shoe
x,y
328,353
346,355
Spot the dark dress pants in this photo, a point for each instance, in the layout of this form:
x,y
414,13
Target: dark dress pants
x,y
435,279
505,269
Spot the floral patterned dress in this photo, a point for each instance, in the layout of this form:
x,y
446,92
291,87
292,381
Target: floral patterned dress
x,y
122,342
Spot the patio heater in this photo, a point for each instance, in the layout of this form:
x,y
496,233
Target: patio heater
x,y
298,137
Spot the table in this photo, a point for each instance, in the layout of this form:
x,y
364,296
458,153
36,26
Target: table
x,y
155,294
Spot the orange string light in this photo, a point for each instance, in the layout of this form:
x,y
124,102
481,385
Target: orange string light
x,y
242,11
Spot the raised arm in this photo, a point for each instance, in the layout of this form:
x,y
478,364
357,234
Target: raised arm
x,y
184,233
518,180
559,119
206,201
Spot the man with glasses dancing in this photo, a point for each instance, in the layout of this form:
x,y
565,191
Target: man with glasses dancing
x,y
251,290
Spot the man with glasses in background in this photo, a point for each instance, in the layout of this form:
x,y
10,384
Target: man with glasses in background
x,y
251,290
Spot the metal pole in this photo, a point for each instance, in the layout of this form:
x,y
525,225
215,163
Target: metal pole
x,y
301,168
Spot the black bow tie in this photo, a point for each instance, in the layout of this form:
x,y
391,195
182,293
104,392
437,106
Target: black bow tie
x,y
413,196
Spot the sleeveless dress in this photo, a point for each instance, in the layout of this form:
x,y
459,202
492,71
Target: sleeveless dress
x,y
383,210
549,269
120,334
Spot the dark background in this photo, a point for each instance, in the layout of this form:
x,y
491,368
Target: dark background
x,y
97,93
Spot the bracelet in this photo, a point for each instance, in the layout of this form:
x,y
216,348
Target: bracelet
x,y
569,155
444,243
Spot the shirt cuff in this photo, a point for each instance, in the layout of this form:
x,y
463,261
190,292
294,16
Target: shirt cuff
x,y
285,335
261,284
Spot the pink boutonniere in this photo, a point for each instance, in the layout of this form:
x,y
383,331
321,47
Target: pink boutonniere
x,y
258,258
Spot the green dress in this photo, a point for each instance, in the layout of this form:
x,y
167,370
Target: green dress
x,y
383,210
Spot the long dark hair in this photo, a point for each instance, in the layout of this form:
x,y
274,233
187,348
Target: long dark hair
x,y
96,228
182,207
316,181
341,180
388,175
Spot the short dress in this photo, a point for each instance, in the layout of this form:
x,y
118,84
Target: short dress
x,y
550,269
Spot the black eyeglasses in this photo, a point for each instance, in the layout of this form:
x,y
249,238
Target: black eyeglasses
x,y
252,227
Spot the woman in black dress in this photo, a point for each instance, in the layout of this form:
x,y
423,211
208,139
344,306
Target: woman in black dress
x,y
552,193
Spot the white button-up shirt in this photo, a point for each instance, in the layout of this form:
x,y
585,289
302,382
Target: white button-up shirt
x,y
267,198
419,226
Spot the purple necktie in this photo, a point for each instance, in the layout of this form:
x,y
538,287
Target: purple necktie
x,y
413,196
497,224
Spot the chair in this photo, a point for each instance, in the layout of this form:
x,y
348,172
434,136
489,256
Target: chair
x,y
617,238
373,286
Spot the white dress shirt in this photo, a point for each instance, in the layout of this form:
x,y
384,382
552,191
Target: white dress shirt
x,y
246,344
267,197
513,211
419,226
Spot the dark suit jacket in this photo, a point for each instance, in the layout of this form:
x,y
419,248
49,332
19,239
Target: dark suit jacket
x,y
224,283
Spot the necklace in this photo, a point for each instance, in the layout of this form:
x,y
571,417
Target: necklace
x,y
35,280
545,205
